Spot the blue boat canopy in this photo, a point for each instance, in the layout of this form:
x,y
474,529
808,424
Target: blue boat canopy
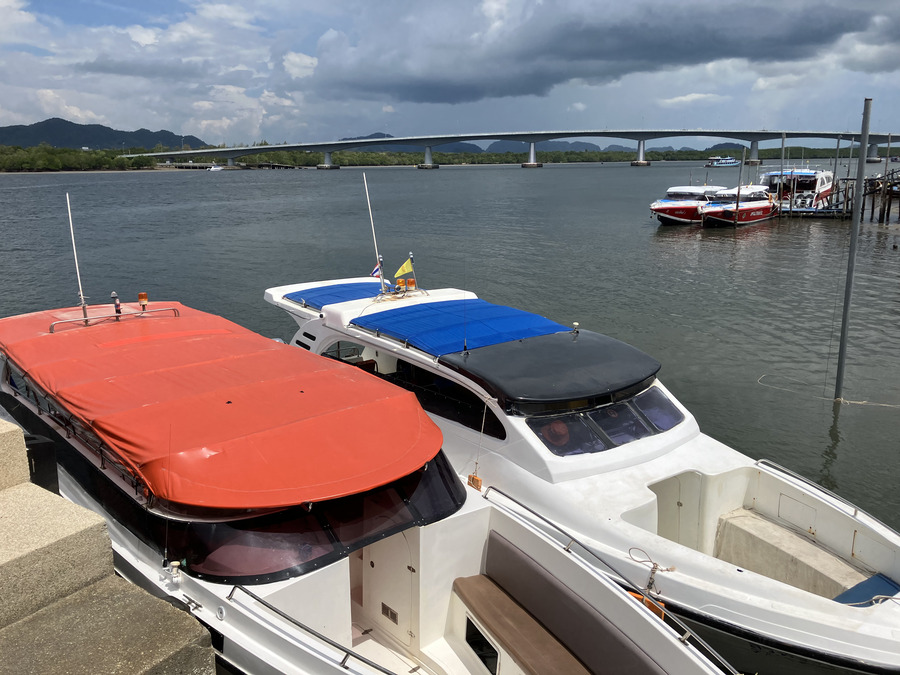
x,y
440,328
320,296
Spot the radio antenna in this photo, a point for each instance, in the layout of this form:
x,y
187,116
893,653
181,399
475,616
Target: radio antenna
x,y
77,271
380,267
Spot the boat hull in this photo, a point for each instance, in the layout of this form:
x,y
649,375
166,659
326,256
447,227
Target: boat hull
x,y
746,215
677,215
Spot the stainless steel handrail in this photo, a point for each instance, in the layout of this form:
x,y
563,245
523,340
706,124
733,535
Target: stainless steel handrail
x,y
687,635
348,653
856,511
87,320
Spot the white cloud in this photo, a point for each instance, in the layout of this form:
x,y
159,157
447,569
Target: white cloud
x,y
387,109
299,65
576,107
53,103
692,99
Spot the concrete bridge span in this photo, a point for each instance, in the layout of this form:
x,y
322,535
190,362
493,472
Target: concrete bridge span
x,y
530,137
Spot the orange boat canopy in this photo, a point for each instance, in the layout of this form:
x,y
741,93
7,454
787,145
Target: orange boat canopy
x,y
210,414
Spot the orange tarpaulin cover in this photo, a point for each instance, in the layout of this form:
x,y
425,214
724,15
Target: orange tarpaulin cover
x,y
211,414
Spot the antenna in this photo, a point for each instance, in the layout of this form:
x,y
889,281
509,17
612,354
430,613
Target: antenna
x,y
77,271
374,240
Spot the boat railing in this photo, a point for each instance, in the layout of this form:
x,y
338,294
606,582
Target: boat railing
x,y
686,636
102,317
347,652
852,509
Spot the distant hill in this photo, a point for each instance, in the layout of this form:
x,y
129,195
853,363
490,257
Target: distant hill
x,y
447,147
61,133
726,146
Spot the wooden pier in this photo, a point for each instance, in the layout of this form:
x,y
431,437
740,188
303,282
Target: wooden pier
x,y
880,194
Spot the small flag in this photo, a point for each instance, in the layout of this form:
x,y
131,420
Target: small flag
x,y
376,272
406,268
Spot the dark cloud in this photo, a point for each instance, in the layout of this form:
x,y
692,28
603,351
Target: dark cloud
x,y
170,69
554,45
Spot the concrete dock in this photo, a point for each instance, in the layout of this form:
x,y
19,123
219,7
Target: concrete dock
x,y
62,608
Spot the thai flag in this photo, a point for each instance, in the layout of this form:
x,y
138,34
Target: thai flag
x,y
376,272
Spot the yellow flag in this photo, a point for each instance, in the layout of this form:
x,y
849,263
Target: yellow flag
x,y
405,269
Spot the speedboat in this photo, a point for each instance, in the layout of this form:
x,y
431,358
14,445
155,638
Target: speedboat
x,y
800,189
718,162
214,167
304,511
679,206
778,574
743,205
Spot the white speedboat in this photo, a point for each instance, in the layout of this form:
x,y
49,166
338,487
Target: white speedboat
x,y
743,205
679,206
800,189
304,511
777,573
719,162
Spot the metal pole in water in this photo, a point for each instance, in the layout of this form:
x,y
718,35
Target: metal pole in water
x,y
851,260
781,179
77,271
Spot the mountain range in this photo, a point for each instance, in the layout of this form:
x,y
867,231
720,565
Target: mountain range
x,y
61,133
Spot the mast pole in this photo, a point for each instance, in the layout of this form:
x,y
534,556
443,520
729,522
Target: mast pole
x,y
374,239
77,271
854,236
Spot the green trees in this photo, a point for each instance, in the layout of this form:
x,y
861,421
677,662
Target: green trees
x,y
47,158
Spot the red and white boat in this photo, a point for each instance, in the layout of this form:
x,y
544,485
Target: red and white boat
x,y
679,206
743,205
304,510
801,189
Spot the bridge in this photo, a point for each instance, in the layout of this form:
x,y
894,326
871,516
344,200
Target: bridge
x,y
641,136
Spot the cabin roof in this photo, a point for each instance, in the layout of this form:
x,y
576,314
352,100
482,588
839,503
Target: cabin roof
x,y
555,367
208,413
439,328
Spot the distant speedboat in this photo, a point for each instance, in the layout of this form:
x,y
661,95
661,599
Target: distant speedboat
x,y
679,206
214,167
739,206
777,573
718,162
800,189
304,510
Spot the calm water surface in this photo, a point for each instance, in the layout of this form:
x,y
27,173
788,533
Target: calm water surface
x,y
745,322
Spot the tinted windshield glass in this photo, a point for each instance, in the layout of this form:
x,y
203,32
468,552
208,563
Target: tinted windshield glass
x,y
608,426
658,409
299,539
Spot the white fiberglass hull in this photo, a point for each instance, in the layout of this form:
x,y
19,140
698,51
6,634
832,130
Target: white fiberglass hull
x,y
693,509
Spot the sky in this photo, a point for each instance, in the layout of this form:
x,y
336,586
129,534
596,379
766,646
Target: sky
x,y
304,71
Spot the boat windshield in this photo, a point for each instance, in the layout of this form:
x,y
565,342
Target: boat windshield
x,y
588,431
300,539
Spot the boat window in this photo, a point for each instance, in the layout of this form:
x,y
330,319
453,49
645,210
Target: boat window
x,y
299,539
568,434
603,427
658,409
344,351
482,647
620,423
447,399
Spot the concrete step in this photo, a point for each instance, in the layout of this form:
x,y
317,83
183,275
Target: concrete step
x,y
49,548
109,627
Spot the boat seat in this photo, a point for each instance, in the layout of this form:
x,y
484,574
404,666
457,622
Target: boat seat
x,y
535,650
864,594
753,542
592,640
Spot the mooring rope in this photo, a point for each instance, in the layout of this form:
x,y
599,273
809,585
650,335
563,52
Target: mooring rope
x,y
821,398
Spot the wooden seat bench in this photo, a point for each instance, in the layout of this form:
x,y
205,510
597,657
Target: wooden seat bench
x,y
529,644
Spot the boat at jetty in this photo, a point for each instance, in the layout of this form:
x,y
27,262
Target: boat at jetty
x,y
304,511
743,205
778,574
800,189
679,206
718,162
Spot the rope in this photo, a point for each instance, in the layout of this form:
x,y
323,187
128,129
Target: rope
x,y
654,567
822,398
